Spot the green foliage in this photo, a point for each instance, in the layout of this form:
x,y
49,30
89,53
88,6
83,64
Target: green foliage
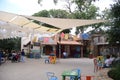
x,y
115,11
82,5
43,13
53,14
114,31
58,13
106,14
10,44
90,12
84,10
114,73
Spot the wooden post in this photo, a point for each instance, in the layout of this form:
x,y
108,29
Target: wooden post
x,y
81,51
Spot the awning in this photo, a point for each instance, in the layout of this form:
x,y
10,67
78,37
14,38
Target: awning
x,y
65,23
63,43
55,43
70,43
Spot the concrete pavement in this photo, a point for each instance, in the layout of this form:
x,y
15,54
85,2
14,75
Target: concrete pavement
x,y
35,69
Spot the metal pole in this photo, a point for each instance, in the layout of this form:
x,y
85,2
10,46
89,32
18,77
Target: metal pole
x,y
59,46
59,50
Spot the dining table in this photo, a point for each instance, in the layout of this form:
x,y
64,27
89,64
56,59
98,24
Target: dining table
x,y
69,73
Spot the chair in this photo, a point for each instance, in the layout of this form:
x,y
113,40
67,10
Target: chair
x,y
51,76
95,65
47,60
79,74
52,59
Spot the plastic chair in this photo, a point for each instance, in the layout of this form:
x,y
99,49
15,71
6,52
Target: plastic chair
x,y
79,74
95,65
52,59
47,60
51,76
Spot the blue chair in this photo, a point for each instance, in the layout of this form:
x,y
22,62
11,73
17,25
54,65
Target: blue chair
x,y
51,76
47,60
79,74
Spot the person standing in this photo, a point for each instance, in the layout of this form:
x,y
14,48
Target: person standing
x,y
64,54
22,56
0,57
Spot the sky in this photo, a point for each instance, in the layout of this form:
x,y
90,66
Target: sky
x,y
29,7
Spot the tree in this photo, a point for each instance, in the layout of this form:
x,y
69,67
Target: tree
x,y
56,1
89,13
114,31
43,13
84,9
10,44
58,13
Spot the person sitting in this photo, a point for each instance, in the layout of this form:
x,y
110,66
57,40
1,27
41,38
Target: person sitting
x,y
107,62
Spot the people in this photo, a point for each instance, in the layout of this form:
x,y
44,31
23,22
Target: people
x,y
64,54
99,64
107,62
22,56
18,56
14,56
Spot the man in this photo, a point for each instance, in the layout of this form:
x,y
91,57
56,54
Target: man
x,y
22,56
64,54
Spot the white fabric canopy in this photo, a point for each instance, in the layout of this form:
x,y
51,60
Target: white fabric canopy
x,y
19,20
13,25
8,30
65,23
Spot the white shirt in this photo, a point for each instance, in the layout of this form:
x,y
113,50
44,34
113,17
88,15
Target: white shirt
x,y
107,62
64,53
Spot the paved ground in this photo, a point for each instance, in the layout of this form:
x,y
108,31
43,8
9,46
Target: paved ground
x,y
35,69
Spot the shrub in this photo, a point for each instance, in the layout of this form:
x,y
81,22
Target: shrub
x,y
114,73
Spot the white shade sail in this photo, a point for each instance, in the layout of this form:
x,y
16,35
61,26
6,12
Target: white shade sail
x,y
65,23
13,25
8,30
